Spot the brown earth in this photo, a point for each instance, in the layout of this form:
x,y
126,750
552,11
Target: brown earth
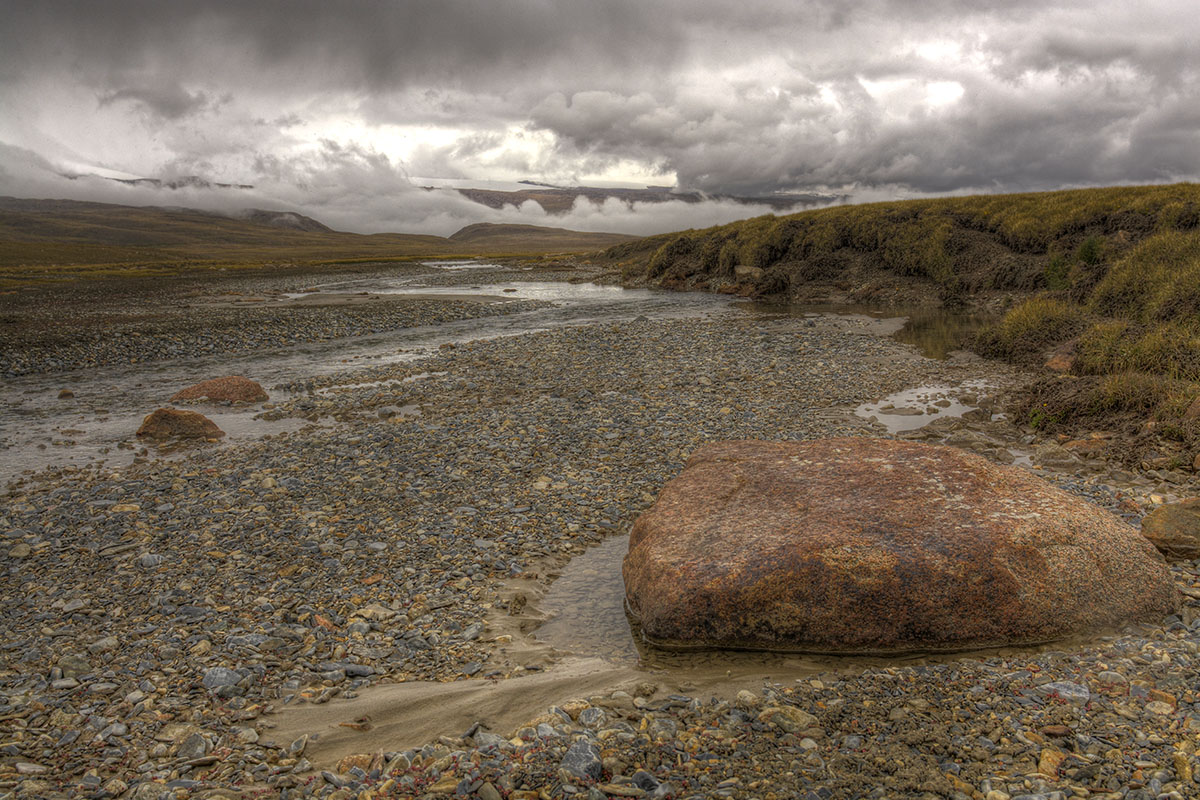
x,y
874,546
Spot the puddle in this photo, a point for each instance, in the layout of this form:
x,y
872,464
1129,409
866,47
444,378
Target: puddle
x,y
585,609
111,438
915,408
934,332
586,618
456,266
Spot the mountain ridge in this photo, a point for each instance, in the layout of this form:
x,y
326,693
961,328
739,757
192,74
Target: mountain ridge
x,y
56,231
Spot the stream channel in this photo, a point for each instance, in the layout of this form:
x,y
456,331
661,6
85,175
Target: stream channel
x,y
39,431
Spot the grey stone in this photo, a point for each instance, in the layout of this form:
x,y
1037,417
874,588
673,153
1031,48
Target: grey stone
x,y
1073,693
582,761
216,677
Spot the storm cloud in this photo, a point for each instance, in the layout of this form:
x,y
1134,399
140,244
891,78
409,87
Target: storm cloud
x,y
343,110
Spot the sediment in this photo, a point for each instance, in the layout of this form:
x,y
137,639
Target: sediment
x,y
161,619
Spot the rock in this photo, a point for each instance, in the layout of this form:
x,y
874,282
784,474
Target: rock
x,y
65,394
1174,529
868,545
746,700
582,761
168,422
74,665
1062,358
745,273
216,677
1054,455
20,550
231,389
788,719
1065,691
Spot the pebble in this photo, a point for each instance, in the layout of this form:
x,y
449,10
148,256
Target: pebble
x,y
251,578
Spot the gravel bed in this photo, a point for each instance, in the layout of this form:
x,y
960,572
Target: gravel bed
x,y
154,614
215,331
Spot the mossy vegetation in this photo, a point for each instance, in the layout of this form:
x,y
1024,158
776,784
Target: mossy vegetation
x,y
1057,241
1109,279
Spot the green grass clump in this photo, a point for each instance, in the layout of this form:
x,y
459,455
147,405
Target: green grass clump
x,y
1158,280
1059,403
1029,329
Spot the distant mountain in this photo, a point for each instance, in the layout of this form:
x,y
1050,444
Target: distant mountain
x,y
186,182
39,232
560,199
284,219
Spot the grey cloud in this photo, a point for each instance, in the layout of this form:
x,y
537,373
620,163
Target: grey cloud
x,y
751,97
371,46
168,102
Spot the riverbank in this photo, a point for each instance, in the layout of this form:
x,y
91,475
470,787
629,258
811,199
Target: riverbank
x,y
84,324
165,618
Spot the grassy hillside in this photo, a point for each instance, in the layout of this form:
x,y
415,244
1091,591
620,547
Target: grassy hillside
x,y
63,238
959,246
1109,279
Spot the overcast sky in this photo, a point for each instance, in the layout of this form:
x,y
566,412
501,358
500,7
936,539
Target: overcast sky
x,y
343,109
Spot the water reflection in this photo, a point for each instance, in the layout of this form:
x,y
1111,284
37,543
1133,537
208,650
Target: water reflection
x,y
935,332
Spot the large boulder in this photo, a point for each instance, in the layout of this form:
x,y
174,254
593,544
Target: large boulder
x,y
1174,529
167,423
878,546
230,389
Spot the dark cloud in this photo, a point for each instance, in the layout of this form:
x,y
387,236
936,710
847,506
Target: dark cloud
x,y
875,96
168,102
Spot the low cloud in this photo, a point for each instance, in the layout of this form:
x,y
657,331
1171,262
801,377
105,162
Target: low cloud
x,y
361,191
343,101
171,102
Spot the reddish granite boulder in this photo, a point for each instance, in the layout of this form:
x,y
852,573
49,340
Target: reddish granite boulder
x,y
231,389
877,546
166,423
1174,529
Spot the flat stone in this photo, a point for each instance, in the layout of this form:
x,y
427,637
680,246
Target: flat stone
x,y
216,677
582,761
166,423
863,545
230,389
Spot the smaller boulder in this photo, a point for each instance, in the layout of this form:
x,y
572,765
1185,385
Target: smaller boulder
x,y
1062,358
1175,529
166,423
230,389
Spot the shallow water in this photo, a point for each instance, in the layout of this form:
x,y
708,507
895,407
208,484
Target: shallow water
x,y
915,408
110,402
585,609
935,332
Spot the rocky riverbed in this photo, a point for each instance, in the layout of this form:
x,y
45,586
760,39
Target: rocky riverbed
x,y
168,623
